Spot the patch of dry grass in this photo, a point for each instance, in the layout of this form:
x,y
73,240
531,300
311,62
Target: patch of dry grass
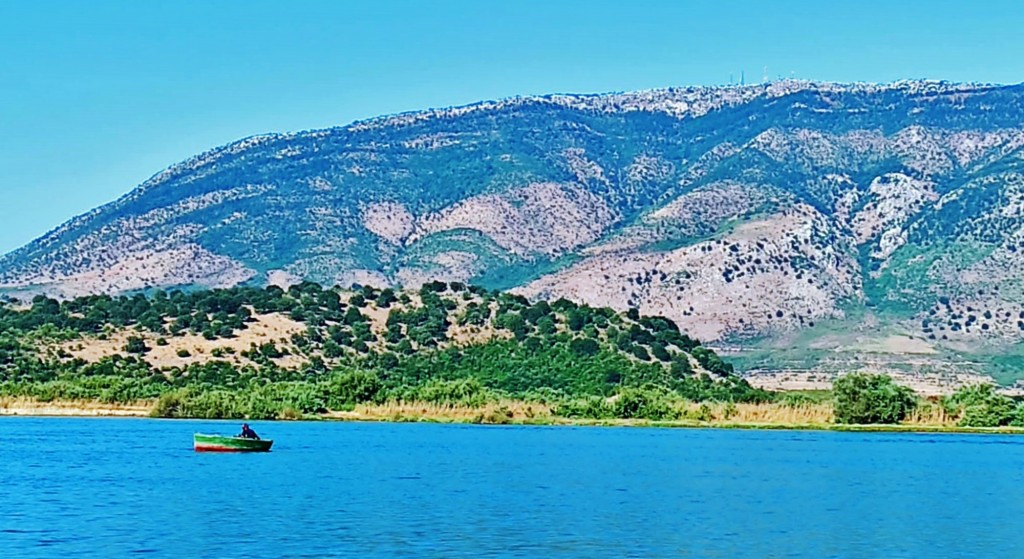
x,y
28,406
818,415
505,411
931,414
272,327
775,413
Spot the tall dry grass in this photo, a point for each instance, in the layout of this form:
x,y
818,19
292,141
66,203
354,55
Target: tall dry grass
x,y
773,413
777,414
20,405
504,411
928,414
931,414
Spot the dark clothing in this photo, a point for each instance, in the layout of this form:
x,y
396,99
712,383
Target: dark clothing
x,y
248,433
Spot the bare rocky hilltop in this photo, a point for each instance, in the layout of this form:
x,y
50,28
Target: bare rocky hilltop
x,y
804,227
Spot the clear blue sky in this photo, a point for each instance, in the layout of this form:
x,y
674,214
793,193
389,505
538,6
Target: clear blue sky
x,y
97,96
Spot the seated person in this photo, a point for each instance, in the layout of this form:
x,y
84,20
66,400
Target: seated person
x,y
248,433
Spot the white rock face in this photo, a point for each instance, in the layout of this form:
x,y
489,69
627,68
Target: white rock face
x,y
389,220
893,200
750,279
543,218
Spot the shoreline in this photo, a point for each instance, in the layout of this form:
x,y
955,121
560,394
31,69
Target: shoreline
x,y
21,407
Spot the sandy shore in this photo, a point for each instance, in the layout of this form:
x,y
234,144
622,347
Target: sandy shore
x,y
24,406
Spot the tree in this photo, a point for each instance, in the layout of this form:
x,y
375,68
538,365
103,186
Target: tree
x,y
980,405
136,345
584,347
863,398
513,322
386,298
353,316
576,319
353,387
680,367
640,352
546,326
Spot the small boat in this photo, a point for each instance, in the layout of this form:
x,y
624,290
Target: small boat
x,y
219,443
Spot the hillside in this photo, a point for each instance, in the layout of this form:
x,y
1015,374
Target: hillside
x,y
808,227
315,349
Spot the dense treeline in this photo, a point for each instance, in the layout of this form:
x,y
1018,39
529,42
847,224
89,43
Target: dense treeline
x,y
872,399
583,361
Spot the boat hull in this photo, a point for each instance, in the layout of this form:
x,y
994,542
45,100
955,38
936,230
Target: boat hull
x,y
218,443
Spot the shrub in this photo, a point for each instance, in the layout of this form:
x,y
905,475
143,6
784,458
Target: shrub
x,y
644,403
584,347
354,387
796,400
980,405
466,392
136,345
863,399
593,407
215,404
170,404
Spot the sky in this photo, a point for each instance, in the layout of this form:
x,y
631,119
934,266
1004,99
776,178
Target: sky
x,y
96,97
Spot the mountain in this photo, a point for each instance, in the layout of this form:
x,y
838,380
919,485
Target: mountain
x,y
810,225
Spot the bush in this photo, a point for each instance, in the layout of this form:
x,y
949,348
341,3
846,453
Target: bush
x,y
644,403
466,392
593,407
865,399
980,405
354,387
802,399
136,345
215,404
584,347
170,404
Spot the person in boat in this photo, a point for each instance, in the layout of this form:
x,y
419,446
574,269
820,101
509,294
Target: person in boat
x,y
248,433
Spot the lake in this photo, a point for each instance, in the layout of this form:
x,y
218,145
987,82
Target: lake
x,y
125,487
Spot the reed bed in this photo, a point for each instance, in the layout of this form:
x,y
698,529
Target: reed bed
x,y
928,417
773,412
503,411
931,414
817,413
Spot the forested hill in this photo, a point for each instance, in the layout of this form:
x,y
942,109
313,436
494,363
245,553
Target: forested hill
x,y
312,349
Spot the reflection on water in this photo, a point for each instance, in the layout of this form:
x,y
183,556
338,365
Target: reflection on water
x,y
119,487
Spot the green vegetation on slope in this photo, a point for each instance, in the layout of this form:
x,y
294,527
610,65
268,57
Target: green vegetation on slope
x,y
445,344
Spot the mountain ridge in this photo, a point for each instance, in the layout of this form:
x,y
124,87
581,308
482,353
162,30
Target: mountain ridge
x,y
382,120
743,212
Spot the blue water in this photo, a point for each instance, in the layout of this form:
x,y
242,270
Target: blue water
x,y
124,487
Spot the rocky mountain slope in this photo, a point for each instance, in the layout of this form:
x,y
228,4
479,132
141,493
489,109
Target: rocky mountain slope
x,y
873,220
